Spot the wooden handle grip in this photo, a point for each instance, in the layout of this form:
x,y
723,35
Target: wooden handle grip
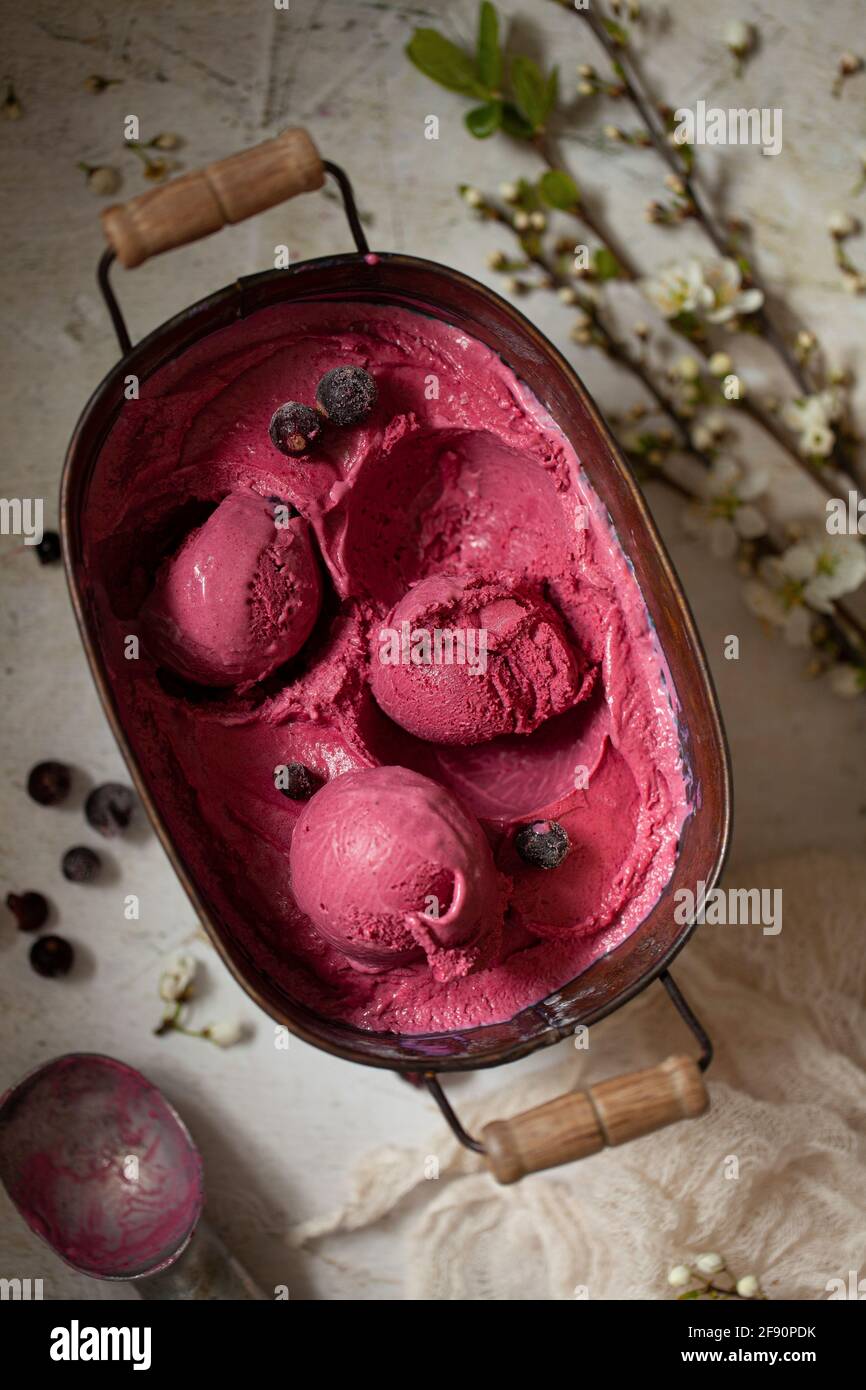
x,y
199,203
583,1122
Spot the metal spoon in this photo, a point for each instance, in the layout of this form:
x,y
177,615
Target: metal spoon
x,y
104,1170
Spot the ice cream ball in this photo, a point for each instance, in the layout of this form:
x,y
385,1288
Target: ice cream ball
x,y
239,597
462,661
390,868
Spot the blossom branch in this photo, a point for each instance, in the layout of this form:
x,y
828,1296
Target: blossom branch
x,y
845,633
797,579
625,67
629,271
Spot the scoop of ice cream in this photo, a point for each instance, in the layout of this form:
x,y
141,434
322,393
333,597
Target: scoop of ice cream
x,y
390,868
239,598
464,660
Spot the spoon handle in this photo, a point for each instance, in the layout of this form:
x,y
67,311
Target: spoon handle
x,y
206,1270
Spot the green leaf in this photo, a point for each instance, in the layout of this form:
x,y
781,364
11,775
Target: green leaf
x,y
605,264
686,323
616,32
527,196
513,123
489,55
485,120
551,92
559,190
647,441
530,90
445,63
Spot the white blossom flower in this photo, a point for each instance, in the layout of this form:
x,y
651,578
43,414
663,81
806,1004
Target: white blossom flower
x,y
817,441
710,1263
832,402
725,280
739,36
792,587
841,225
679,289
811,418
720,364
716,423
679,1276
474,197
773,599
847,680
702,438
177,977
225,1033
827,567
713,292
689,368
748,1286
510,192
724,513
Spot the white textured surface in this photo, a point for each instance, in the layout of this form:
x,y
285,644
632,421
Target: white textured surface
x,y
279,1131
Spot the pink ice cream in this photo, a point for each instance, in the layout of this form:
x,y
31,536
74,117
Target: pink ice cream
x,y
469,505
464,661
390,869
239,598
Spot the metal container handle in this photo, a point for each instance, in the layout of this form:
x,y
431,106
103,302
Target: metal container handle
x,y
197,204
581,1123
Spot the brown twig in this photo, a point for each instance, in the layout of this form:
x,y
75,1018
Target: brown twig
x,y
589,220
633,88
626,70
612,345
631,273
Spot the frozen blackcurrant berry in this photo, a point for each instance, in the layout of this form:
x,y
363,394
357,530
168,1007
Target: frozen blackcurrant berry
x,y
346,395
29,909
51,955
49,783
109,808
48,548
81,865
299,782
542,843
295,428
289,510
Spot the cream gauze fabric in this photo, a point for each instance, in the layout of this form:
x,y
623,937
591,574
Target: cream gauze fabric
x,y
773,1176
